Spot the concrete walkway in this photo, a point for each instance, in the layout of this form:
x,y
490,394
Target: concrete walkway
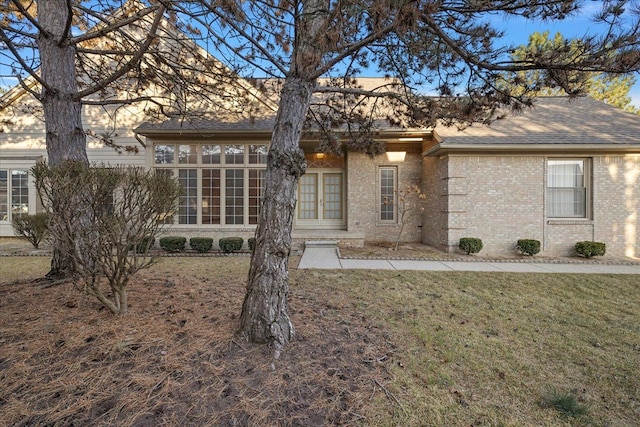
x,y
326,258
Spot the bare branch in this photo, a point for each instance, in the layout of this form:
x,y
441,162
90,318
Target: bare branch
x,y
18,57
130,64
67,25
101,31
30,18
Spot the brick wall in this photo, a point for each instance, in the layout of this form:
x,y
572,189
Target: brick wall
x,y
501,199
495,198
363,199
616,195
435,218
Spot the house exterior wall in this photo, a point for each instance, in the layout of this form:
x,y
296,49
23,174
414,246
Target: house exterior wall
x,y
435,218
363,196
616,194
495,198
501,198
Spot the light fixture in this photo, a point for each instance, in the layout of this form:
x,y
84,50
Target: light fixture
x,y
319,156
410,139
396,156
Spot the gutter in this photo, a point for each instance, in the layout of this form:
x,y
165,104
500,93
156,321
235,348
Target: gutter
x,y
446,149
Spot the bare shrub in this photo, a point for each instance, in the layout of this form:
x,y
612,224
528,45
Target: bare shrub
x,y
121,207
34,228
410,202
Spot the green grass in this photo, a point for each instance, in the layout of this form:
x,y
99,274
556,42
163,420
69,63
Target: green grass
x,y
483,348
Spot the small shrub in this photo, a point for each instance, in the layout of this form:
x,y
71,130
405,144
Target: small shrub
x,y
230,244
565,403
528,246
201,244
173,243
588,249
32,227
252,243
470,245
143,245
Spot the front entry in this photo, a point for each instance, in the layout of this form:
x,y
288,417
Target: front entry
x,y
321,199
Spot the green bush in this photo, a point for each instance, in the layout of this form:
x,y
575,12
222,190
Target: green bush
x,y
143,245
528,246
470,245
32,227
230,244
252,243
589,249
201,244
173,243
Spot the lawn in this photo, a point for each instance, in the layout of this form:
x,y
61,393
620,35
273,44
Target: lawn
x,y
375,348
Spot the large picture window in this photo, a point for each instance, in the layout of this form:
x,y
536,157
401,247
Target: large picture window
x,y
567,188
222,183
387,195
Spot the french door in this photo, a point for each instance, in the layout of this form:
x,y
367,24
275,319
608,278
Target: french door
x,y
321,199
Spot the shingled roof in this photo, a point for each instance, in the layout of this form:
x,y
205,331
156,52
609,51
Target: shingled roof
x,y
553,122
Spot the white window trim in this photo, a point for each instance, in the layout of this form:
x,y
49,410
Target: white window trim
x,y
222,166
588,185
379,201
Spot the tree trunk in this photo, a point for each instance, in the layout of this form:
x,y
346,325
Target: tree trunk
x,y
265,318
65,137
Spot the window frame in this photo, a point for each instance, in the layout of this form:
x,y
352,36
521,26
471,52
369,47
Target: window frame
x,y
16,197
254,157
381,195
587,185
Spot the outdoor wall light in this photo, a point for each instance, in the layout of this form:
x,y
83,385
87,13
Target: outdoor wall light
x,y
396,156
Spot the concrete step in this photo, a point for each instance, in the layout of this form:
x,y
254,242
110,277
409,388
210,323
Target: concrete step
x,y
321,244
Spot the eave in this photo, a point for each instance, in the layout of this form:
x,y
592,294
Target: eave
x,y
443,149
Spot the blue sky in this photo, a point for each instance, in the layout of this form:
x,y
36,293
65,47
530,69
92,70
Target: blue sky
x,y
517,31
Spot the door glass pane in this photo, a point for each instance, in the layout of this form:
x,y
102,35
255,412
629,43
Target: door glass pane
x,y
332,196
308,196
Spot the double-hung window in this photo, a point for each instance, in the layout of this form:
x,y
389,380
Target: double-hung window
x,y
568,188
14,193
222,183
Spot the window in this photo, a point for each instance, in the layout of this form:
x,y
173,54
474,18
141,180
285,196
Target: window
x,y
4,188
187,204
14,194
222,183
567,188
388,178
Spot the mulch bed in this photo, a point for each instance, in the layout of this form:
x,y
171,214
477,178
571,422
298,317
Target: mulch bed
x,y
174,360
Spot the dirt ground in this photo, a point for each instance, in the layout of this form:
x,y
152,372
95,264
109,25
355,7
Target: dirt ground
x,y
174,360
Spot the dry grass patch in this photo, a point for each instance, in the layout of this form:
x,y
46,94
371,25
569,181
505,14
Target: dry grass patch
x,y
372,348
